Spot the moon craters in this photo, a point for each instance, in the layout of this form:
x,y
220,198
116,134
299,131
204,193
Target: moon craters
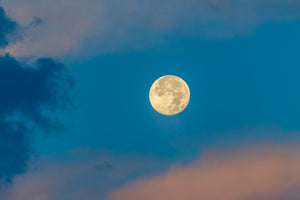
x,y
169,95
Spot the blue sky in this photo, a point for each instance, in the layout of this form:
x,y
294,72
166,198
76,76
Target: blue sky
x,y
238,82
93,133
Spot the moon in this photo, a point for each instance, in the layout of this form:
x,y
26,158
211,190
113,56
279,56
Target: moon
x,y
169,95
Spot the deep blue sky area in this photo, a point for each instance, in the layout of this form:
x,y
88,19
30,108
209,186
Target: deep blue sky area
x,y
75,117
235,83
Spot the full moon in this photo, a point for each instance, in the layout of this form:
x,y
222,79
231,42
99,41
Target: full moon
x,y
169,95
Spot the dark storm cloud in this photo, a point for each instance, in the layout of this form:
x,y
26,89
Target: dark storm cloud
x,y
28,94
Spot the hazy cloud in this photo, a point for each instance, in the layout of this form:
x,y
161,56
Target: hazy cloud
x,y
76,177
262,173
7,27
91,27
104,166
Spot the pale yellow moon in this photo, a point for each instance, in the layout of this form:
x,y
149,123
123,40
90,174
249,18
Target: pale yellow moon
x,y
169,95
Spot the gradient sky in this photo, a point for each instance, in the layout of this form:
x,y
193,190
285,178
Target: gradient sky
x,y
75,118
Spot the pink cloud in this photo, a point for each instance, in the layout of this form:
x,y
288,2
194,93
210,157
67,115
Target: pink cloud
x,y
264,173
87,28
260,173
83,174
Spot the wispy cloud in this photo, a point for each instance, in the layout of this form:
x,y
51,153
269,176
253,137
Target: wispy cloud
x,y
93,27
84,173
257,172
261,173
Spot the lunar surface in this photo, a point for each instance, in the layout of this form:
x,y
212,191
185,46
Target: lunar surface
x,y
169,95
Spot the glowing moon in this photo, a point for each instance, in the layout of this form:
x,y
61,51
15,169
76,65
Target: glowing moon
x,y
169,95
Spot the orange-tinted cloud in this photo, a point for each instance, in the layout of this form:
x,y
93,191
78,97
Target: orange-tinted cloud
x,y
257,173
